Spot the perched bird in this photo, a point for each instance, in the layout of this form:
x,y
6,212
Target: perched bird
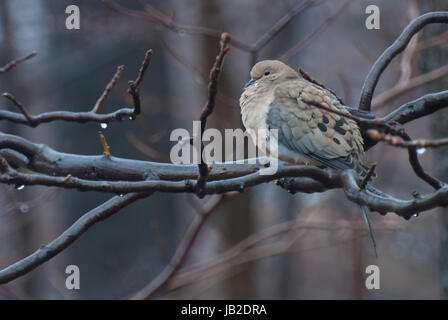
x,y
274,99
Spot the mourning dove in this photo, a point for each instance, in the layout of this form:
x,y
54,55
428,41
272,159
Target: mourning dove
x,y
273,99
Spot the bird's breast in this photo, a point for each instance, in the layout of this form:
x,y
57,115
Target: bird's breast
x,y
254,109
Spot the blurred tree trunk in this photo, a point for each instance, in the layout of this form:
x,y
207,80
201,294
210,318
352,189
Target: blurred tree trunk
x,y
431,59
37,224
233,217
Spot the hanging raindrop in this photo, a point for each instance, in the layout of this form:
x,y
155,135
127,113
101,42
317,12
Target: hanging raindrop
x,y
24,208
421,150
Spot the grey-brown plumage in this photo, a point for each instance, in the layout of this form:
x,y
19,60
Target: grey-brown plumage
x,y
273,99
306,134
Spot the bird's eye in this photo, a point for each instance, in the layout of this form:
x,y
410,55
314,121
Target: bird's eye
x,y
267,72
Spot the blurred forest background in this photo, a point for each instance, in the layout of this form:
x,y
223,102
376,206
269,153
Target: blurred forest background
x,y
311,246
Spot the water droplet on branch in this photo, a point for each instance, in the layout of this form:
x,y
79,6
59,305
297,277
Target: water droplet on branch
x,y
421,150
24,208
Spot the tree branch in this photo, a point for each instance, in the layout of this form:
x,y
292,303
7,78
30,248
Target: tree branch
x,y
209,107
14,63
46,252
133,85
179,256
108,88
398,46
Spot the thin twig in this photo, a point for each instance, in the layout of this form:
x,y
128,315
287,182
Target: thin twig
x,y
19,105
208,108
14,63
282,23
108,88
307,40
382,99
68,116
133,89
239,253
157,16
106,148
179,256
367,122
413,157
67,178
416,143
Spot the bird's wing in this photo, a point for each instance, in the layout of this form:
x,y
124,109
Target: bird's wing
x,y
323,136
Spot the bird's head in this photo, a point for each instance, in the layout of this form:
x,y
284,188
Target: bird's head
x,y
269,71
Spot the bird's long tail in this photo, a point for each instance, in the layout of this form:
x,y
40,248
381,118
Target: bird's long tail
x,y
363,211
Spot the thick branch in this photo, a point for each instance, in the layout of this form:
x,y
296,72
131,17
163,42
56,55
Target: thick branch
x,y
46,252
404,208
45,160
418,108
328,178
398,46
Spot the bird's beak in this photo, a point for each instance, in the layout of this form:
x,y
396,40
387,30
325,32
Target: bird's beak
x,y
250,82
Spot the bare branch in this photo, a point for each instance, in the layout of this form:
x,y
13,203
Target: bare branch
x,y
80,117
42,159
404,208
307,40
12,176
416,143
408,85
381,124
14,63
418,108
282,23
157,16
106,147
241,252
362,121
29,118
25,163
210,105
398,46
133,85
179,256
77,229
109,87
